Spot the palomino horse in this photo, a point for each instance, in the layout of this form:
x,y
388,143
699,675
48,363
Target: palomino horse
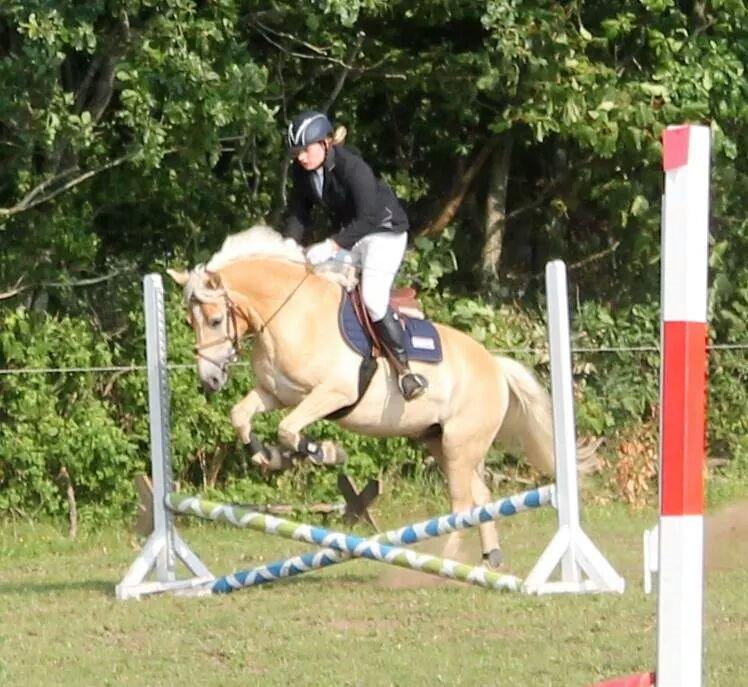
x,y
259,284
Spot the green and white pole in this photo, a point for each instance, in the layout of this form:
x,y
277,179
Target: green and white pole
x,y
410,534
358,547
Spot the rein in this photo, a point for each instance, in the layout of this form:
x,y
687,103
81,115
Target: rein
x,y
285,301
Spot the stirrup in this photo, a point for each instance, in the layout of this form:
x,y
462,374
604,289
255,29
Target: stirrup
x,y
412,385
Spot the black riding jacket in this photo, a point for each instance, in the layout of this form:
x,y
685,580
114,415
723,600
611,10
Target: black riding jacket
x,y
357,202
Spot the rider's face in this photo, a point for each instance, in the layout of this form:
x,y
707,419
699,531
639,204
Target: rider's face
x,y
312,156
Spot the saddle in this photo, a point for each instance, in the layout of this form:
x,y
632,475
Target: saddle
x,y
422,341
404,300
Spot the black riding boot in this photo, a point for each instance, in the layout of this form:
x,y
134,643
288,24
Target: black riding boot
x,y
411,384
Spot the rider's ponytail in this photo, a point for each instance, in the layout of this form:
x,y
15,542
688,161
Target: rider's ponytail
x,y
339,135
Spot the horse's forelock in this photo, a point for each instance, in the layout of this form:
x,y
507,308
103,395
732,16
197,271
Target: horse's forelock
x,y
197,287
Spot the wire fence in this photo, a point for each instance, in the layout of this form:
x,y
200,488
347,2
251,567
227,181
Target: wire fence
x,y
495,351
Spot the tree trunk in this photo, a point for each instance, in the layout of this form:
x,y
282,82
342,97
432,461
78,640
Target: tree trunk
x,y
459,191
495,219
95,90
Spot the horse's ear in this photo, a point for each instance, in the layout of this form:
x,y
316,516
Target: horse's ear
x,y
180,277
214,281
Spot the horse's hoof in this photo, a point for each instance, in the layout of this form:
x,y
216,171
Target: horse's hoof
x,y
494,558
312,450
271,458
333,454
259,459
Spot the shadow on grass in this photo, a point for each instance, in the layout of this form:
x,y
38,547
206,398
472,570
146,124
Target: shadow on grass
x,y
312,580
107,586
42,588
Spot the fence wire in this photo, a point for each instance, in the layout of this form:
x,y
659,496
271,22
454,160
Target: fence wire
x,y
524,351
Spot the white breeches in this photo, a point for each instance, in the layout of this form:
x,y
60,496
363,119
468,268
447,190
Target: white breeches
x,y
379,256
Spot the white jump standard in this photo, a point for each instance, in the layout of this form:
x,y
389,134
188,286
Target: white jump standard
x,y
583,567
164,547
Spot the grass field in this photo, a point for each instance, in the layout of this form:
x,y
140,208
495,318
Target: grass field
x,y
352,624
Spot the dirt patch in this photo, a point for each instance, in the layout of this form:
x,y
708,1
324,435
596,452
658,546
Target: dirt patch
x,y
726,538
468,552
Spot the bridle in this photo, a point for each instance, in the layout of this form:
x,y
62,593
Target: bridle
x,y
233,338
232,310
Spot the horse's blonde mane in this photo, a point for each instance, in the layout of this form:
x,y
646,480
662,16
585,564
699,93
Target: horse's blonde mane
x,y
257,241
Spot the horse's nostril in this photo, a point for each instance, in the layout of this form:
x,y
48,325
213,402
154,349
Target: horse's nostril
x,y
211,384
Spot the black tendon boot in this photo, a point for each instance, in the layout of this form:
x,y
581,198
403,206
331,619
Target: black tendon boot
x,y
411,384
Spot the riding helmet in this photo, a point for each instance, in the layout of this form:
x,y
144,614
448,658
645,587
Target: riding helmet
x,y
308,127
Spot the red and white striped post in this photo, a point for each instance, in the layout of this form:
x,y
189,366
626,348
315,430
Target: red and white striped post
x,y
685,228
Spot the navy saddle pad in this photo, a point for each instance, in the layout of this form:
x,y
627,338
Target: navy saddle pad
x,y
422,341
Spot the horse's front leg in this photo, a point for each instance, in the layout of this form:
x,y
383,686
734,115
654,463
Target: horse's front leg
x,y
322,401
256,401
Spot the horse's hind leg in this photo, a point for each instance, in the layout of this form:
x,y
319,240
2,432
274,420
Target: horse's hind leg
x,y
488,534
460,460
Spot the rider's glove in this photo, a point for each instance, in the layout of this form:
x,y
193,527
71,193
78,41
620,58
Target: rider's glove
x,y
320,252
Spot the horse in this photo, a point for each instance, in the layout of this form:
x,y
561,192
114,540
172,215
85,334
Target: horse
x,y
259,285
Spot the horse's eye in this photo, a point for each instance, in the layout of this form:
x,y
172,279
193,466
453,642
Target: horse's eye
x,y
215,321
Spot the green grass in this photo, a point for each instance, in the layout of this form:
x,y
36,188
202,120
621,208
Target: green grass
x,y
353,624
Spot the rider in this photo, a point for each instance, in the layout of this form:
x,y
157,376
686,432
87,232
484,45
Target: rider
x,y
369,218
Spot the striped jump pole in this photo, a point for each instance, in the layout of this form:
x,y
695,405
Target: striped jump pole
x,y
410,534
679,557
347,543
685,237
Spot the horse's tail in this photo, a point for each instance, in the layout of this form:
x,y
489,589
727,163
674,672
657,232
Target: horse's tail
x,y
528,419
